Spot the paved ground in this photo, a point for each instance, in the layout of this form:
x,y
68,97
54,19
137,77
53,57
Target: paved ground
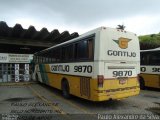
x,y
41,102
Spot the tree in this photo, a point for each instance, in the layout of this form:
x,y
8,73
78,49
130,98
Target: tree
x,y
150,41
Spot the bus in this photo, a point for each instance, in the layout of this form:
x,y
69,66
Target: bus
x,y
150,68
102,64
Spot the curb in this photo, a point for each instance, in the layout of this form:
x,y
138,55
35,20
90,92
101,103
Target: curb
x,y
18,83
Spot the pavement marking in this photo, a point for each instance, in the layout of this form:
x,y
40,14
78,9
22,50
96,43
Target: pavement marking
x,y
17,83
54,108
74,105
69,102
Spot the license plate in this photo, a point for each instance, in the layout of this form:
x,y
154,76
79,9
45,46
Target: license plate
x,y
122,81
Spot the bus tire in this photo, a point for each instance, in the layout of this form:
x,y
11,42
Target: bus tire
x,y
65,89
142,83
37,79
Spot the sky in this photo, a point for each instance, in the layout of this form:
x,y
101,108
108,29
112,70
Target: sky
x,y
139,16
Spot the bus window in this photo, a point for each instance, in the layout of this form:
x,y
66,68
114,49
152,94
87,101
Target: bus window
x,y
37,59
154,58
40,59
84,49
50,56
67,53
145,58
57,54
90,48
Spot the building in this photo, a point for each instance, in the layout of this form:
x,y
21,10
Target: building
x,y
15,67
17,46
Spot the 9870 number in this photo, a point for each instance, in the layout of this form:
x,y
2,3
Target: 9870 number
x,y
84,68
122,73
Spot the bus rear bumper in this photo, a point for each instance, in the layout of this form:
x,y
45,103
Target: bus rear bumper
x,y
116,95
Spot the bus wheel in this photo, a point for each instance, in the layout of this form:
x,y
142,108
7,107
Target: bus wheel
x,y
37,77
65,89
142,83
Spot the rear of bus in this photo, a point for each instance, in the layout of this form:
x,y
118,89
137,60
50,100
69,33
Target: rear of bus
x,y
116,65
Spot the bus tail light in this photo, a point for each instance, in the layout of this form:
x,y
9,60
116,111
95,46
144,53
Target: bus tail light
x,y
100,79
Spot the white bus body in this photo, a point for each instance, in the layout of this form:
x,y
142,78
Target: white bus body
x,y
116,60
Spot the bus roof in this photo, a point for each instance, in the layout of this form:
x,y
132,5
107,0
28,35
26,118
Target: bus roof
x,y
156,49
91,32
74,39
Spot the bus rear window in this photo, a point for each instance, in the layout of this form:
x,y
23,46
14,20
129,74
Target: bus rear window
x,y
150,58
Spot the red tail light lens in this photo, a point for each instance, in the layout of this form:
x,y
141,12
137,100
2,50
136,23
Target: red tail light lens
x,y
100,79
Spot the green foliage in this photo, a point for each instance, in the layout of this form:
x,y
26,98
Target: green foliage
x,y
150,40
